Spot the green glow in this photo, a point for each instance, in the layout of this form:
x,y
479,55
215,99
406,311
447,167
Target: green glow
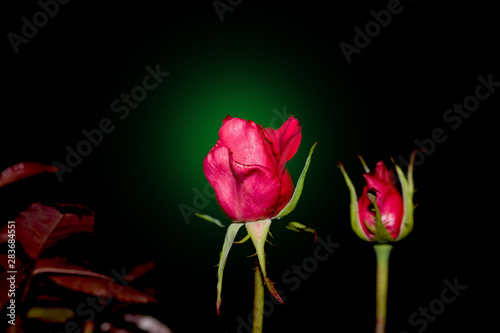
x,y
158,152
201,101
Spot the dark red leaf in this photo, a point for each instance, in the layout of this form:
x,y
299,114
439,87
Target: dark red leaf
x,y
63,266
40,227
23,170
88,327
139,270
102,288
48,298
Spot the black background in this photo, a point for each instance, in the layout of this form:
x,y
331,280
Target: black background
x,y
428,58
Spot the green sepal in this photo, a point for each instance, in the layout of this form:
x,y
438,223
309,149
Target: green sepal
x,y
408,189
258,231
210,219
297,227
242,240
367,169
382,235
355,221
298,188
232,230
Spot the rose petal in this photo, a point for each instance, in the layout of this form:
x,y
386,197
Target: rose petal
x,y
245,192
392,211
220,176
286,140
380,185
23,170
383,174
258,191
248,143
286,191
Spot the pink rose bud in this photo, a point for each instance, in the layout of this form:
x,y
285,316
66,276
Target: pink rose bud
x,y
382,186
246,168
382,214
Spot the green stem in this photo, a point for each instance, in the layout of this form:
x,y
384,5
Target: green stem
x,y
382,252
258,303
